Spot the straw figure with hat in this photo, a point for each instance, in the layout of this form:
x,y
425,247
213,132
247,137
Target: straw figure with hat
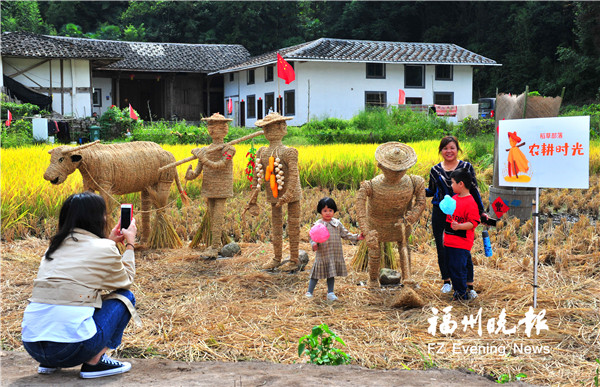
x,y
277,171
217,184
388,206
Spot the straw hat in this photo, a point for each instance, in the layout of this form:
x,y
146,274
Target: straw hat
x,y
513,135
395,156
216,117
271,118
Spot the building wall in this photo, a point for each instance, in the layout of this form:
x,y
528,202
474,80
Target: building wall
x,y
75,72
106,97
327,89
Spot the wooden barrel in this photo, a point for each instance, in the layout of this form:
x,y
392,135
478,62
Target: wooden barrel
x,y
520,200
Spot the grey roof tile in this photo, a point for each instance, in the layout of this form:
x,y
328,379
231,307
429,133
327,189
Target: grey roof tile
x,y
343,50
171,57
25,44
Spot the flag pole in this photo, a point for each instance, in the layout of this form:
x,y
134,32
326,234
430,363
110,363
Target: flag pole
x,y
278,92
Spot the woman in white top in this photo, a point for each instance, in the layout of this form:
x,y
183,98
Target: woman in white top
x,y
68,322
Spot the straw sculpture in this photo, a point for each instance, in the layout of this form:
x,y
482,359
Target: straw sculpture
x,y
215,161
389,204
277,170
119,169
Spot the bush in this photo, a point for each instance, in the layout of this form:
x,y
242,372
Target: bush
x,y
115,123
19,110
19,133
592,110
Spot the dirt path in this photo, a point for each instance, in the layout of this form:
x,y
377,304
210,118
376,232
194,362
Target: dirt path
x,y
18,369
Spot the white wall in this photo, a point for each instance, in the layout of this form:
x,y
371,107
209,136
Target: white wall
x,y
328,89
39,76
105,84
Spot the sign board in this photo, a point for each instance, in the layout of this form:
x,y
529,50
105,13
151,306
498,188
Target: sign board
x,y
544,152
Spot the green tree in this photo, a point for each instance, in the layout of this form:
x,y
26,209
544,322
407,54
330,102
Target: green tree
x,y
580,63
22,16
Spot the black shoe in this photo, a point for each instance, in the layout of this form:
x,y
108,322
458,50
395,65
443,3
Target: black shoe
x,y
105,367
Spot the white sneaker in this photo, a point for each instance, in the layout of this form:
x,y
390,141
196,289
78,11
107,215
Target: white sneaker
x,y
472,294
308,295
447,288
45,370
331,296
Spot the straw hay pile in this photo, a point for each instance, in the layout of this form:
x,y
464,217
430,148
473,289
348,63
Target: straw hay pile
x,y
229,310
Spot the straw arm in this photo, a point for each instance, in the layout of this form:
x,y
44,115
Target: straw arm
x,y
233,142
361,206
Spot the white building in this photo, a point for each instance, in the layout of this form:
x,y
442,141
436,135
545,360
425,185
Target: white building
x,y
338,78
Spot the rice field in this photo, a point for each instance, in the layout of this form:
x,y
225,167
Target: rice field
x,y
228,310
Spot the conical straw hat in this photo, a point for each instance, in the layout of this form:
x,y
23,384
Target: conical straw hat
x,y
216,117
396,156
271,118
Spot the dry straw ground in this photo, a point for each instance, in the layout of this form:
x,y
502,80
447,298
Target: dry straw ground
x,y
229,310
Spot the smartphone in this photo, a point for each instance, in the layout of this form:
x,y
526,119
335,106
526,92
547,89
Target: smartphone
x,y
126,215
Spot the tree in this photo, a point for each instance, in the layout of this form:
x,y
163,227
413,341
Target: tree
x,y
580,63
22,16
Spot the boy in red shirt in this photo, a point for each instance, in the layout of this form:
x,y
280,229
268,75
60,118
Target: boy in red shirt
x,y
460,232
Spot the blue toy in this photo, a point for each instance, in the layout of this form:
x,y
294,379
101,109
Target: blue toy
x,y
448,205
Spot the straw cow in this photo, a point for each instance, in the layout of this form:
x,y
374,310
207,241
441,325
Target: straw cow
x,y
118,169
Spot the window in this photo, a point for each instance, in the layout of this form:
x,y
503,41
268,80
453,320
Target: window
x,y
414,76
414,100
97,97
443,72
289,106
376,70
251,106
269,74
269,102
443,98
230,77
375,99
251,77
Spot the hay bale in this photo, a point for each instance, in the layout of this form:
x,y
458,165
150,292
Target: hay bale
x,y
408,298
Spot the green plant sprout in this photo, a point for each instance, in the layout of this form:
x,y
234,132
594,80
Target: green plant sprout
x,y
319,347
506,378
597,377
427,361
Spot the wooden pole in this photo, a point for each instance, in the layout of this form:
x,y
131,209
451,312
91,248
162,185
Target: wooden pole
x,y
525,104
62,88
232,142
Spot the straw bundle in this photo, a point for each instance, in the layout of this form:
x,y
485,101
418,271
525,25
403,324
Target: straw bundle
x,y
361,258
163,235
204,235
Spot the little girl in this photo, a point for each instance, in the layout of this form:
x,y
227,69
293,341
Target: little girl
x,y
329,261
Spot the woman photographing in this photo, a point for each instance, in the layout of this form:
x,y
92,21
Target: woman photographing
x,y
68,322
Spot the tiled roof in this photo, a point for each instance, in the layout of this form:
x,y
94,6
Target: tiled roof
x,y
171,57
342,50
25,44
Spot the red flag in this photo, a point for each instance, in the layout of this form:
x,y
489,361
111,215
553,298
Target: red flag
x,y
132,114
229,106
7,123
499,207
284,70
401,97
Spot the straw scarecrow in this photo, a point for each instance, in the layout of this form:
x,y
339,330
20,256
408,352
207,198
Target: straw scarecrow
x,y
277,170
389,204
119,169
217,181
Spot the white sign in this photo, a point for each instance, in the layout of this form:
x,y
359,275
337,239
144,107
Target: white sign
x,y
544,152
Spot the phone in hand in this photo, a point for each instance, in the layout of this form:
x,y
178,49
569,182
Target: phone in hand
x,y
126,215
